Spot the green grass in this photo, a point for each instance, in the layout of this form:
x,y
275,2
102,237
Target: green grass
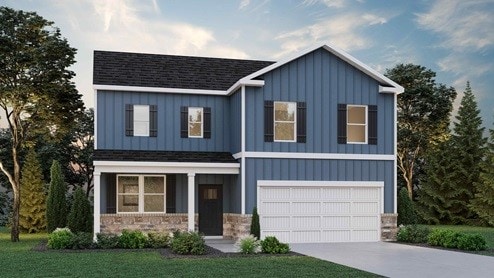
x,y
486,232
18,260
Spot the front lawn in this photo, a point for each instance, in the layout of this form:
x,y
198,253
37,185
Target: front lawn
x,y
19,260
486,232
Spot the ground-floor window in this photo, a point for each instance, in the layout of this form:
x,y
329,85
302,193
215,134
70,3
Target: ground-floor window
x,y
141,193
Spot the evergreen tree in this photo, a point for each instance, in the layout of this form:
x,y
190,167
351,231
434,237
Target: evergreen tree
x,y
56,213
33,200
80,219
436,192
255,228
468,152
483,203
406,210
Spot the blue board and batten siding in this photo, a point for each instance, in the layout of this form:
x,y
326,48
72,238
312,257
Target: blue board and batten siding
x,y
322,80
111,122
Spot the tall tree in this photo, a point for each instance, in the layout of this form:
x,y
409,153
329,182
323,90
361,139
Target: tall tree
x,y
423,117
32,214
468,153
36,91
80,218
483,203
56,206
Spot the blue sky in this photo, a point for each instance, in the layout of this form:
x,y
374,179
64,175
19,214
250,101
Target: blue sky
x,y
455,38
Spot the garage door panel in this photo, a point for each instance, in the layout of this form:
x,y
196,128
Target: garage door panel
x,y
337,193
276,208
306,208
275,193
365,207
305,193
364,222
305,222
305,236
335,236
365,193
336,222
335,207
275,222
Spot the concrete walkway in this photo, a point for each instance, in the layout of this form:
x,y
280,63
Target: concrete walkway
x,y
399,260
224,245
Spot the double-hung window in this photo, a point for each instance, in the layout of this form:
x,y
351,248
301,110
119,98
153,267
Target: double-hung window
x,y
141,193
285,121
141,120
195,122
357,124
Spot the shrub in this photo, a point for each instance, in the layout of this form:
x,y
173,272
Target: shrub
x,y
255,228
82,240
443,237
158,240
472,242
60,238
56,204
132,240
107,241
272,245
248,245
188,243
80,218
413,233
407,214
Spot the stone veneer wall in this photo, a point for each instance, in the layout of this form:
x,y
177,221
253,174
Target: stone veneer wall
x,y
235,225
389,227
170,222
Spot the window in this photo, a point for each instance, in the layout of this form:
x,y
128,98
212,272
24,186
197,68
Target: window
x,y
140,193
195,122
356,124
141,120
285,121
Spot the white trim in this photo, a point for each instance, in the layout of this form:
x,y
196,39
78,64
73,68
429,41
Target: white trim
x,y
95,120
159,90
97,204
395,142
393,90
213,237
191,185
242,149
294,122
297,155
244,82
147,167
339,53
366,124
304,183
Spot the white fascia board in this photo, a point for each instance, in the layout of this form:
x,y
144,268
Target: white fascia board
x,y
392,90
339,53
244,82
165,167
159,90
296,155
294,183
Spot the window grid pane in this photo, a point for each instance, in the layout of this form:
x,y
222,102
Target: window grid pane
x,y
284,121
195,121
150,190
141,120
356,124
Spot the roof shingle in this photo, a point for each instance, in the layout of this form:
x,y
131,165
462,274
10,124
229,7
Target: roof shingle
x,y
163,156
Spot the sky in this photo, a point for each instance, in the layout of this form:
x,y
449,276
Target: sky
x,y
454,38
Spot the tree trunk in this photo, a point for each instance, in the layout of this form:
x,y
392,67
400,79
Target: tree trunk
x,y
14,232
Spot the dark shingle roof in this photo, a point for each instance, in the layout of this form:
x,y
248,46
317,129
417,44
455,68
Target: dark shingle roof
x,y
170,71
163,156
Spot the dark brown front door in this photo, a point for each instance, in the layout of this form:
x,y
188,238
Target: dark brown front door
x,y
210,209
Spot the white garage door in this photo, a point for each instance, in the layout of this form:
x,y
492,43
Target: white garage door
x,y
308,211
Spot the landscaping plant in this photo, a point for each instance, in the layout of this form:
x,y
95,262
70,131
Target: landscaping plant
x,y
407,214
80,217
132,240
60,238
460,240
107,241
158,240
255,228
272,245
56,206
82,240
188,243
248,245
413,233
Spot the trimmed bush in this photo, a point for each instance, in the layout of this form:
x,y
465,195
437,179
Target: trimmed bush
x,y
132,240
248,245
82,240
272,245
56,204
107,241
407,214
60,238
158,240
80,218
413,234
188,243
255,228
472,242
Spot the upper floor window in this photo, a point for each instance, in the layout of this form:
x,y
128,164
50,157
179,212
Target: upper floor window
x,y
356,124
141,193
195,122
285,121
141,120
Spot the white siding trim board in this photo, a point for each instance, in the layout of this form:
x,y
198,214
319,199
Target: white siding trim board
x,y
298,155
165,167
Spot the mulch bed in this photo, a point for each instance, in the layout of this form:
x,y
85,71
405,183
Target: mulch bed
x,y
166,253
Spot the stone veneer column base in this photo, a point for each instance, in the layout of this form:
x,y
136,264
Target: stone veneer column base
x,y
389,227
236,225
170,222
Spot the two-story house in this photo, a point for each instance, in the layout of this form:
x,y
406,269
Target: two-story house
x,y
194,143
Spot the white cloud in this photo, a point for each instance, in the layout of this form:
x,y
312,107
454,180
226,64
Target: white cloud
x,y
327,3
466,25
343,31
243,4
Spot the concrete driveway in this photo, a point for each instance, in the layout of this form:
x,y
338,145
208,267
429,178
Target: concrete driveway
x,y
399,260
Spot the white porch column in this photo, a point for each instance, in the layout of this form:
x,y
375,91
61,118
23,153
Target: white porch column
x,y
96,201
191,202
